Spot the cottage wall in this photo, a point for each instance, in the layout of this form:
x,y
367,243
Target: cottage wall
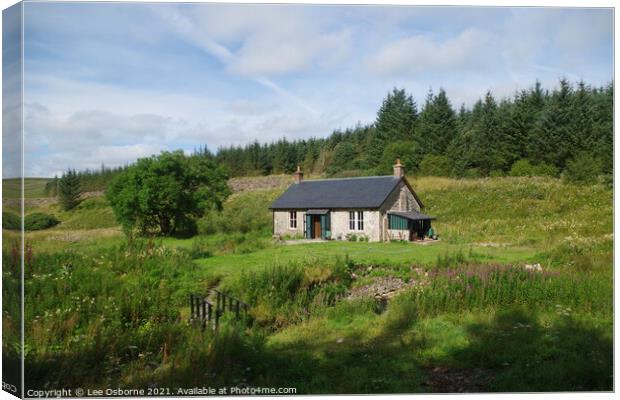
x,y
400,199
340,225
281,223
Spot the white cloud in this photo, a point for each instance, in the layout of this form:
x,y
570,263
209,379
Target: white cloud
x,y
273,40
470,49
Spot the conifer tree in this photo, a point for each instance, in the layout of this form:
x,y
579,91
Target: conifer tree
x,y
437,125
397,116
69,190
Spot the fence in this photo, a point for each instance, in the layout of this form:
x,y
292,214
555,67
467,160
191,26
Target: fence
x,y
204,312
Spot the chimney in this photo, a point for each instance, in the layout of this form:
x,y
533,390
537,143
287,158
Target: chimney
x,y
399,170
299,176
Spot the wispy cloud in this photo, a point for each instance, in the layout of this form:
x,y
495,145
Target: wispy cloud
x,y
109,82
189,30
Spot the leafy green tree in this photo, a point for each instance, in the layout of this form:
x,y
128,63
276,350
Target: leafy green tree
x,y
405,150
167,193
69,190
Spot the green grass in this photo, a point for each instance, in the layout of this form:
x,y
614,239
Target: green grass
x,y
475,315
33,188
365,253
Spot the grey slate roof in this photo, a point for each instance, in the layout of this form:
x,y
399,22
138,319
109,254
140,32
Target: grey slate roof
x,y
366,192
412,215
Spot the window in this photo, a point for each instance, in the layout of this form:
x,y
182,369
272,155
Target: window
x,y
292,220
356,220
303,218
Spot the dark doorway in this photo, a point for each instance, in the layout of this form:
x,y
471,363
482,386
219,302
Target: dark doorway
x,y
316,221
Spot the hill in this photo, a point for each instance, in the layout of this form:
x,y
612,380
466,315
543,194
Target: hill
x,y
516,296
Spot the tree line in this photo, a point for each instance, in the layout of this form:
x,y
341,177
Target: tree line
x,y
567,130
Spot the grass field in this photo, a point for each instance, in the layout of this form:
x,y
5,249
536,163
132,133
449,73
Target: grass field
x,y
470,318
33,188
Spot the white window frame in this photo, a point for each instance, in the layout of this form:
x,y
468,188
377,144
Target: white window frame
x,y
292,220
356,220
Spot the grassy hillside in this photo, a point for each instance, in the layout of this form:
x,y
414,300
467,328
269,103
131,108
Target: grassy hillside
x,y
33,187
466,315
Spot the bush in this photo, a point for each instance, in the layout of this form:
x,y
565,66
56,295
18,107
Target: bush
x,y
10,221
522,167
473,173
38,221
544,169
434,165
584,168
351,237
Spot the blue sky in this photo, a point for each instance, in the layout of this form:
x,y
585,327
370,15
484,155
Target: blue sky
x,y
109,82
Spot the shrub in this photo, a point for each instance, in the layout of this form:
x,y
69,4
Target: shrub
x,y
10,221
584,168
351,237
544,169
473,173
522,167
434,165
38,221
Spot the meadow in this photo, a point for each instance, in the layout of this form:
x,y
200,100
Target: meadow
x,y
468,315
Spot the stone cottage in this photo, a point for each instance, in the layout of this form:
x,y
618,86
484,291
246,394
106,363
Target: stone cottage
x,y
379,208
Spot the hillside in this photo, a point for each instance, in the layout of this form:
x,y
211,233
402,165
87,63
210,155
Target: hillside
x,y
462,314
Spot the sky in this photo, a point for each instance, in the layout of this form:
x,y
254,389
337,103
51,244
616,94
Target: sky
x,y
110,83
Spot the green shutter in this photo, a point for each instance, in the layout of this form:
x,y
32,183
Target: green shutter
x,y
308,226
397,222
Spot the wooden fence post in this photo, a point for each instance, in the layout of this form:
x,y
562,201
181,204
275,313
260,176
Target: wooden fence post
x,y
204,313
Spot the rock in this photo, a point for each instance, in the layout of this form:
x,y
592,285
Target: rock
x,y
533,267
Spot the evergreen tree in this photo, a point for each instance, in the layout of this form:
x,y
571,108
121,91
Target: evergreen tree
x,y
554,140
397,116
437,125
69,190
